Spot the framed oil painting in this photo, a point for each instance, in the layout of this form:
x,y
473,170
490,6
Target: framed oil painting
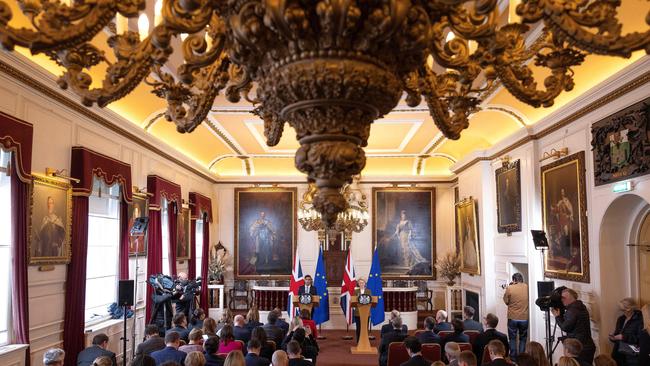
x,y
138,208
51,221
265,232
403,227
183,232
564,213
621,144
467,236
508,184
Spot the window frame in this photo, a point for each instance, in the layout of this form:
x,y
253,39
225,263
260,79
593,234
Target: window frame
x,y
7,337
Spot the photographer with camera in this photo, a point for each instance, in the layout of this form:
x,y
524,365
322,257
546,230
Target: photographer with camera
x,y
184,294
516,298
574,321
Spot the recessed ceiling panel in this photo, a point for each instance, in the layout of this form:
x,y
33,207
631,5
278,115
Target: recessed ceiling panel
x,y
200,145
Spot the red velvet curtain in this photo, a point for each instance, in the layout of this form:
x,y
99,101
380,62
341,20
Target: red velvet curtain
x,y
20,307
191,264
124,240
75,294
154,254
204,265
172,219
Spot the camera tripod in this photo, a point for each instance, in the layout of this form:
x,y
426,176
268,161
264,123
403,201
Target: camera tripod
x,y
551,342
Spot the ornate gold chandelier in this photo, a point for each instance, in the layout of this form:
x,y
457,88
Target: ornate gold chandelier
x,y
329,68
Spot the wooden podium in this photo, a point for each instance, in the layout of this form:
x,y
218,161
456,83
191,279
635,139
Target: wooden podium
x,y
363,347
315,301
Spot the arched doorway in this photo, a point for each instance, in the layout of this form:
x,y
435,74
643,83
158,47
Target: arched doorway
x,y
619,263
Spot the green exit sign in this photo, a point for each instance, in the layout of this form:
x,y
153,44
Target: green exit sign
x,y
622,187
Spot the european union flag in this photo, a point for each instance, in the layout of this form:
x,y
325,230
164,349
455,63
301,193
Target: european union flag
x,y
321,313
377,314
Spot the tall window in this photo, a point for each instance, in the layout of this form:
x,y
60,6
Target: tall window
x,y
198,234
5,246
164,225
102,262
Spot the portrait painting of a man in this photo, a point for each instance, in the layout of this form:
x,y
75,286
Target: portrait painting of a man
x,y
403,228
183,232
265,232
467,236
50,229
564,206
137,209
508,198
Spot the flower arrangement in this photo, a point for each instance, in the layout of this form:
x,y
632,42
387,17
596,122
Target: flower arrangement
x,y
449,266
219,259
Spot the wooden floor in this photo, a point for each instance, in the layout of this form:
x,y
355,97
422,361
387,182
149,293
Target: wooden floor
x,y
335,351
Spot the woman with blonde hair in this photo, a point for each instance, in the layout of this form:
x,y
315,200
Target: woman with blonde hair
x,y
536,351
604,360
253,318
103,361
210,327
644,337
568,361
626,333
235,358
195,358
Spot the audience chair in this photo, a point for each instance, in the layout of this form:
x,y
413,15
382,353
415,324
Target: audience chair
x,y
486,356
444,333
472,334
397,354
418,332
465,347
432,352
272,344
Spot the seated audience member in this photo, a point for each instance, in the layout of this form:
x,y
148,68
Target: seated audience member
x,y
413,347
626,333
469,322
572,348
536,351
467,358
273,331
53,357
253,356
524,359
195,358
396,335
143,360
567,361
180,326
441,322
490,333
196,342
280,358
497,353
235,358
644,337
260,335
295,356
153,341
452,351
210,327
227,341
308,346
457,336
99,348
604,360
227,317
280,322
211,348
388,327
253,318
429,336
240,331
102,361
170,352
170,363
308,322
198,316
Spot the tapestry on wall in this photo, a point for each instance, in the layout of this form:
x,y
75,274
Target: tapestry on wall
x,y
621,144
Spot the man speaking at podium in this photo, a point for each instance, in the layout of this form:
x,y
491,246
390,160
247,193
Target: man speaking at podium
x,y
308,287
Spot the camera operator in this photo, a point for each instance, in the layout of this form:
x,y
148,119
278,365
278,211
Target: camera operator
x,y
576,324
184,294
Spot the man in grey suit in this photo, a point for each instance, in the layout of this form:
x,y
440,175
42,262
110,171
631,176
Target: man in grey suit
x,y
153,341
99,348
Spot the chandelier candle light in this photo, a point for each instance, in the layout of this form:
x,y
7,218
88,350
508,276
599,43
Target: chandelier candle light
x,y
329,68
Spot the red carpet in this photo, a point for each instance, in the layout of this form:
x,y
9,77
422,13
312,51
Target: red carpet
x,y
335,351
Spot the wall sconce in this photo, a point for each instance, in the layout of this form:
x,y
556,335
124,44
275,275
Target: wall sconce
x,y
555,154
51,172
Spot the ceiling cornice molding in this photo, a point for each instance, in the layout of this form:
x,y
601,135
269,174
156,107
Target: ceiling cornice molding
x,y
374,180
26,73
613,88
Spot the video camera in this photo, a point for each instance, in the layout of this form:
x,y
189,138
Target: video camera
x,y
552,301
162,283
189,287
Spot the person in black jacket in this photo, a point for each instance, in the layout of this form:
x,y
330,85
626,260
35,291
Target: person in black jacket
x,y
99,348
253,356
153,341
211,346
429,336
308,287
628,327
644,337
413,347
395,336
388,327
497,353
490,321
295,356
457,336
576,324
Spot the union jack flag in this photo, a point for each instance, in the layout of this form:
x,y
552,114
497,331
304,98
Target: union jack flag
x,y
296,281
347,288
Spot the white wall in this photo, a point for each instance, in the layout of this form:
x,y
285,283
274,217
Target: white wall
x,y
56,130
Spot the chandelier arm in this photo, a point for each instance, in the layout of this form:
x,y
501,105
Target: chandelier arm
x,y
187,16
472,25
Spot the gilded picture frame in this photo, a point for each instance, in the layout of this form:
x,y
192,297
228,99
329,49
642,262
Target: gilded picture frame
x,y
564,215
138,208
265,232
184,235
508,188
50,221
467,237
403,228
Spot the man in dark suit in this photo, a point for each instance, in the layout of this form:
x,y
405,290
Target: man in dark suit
x,y
253,356
441,322
211,346
153,341
457,336
99,348
413,347
429,336
271,328
280,322
388,327
240,331
497,353
170,352
490,321
467,358
295,358
395,336
469,322
308,287
180,327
